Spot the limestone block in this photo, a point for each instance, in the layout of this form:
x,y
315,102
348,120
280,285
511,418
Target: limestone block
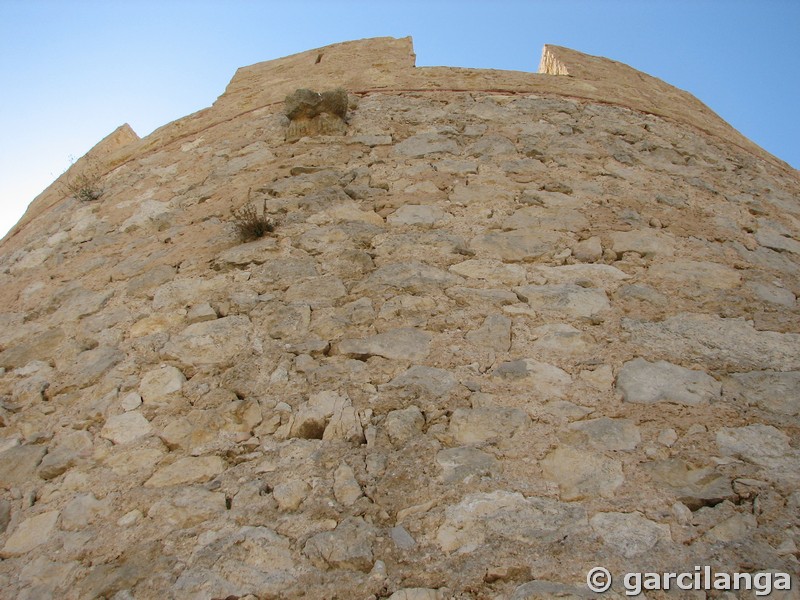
x,y
644,382
493,271
290,495
465,463
581,474
629,534
494,334
769,390
421,380
30,533
349,546
412,277
478,425
404,425
210,342
424,144
346,489
646,242
774,240
760,444
609,434
734,344
564,299
417,594
187,507
18,464
415,214
190,469
589,250
127,427
693,486
509,516
690,275
83,510
157,384
516,246
405,343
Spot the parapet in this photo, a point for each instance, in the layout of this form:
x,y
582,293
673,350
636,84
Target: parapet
x,y
388,65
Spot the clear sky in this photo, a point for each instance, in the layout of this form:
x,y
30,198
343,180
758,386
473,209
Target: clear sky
x,y
72,71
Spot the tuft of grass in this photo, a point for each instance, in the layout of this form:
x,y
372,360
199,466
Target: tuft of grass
x,y
85,186
250,225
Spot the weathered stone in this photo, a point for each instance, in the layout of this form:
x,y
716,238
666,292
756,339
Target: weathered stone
x,y
420,380
345,487
648,243
475,193
290,495
609,434
644,382
737,527
774,240
131,401
760,444
424,144
327,415
415,214
605,277
775,392
721,343
156,385
29,534
210,342
318,292
629,534
516,246
463,463
581,474
417,594
494,334
773,294
289,321
693,486
478,425
232,561
695,276
88,368
569,300
510,516
405,343
414,277
547,380
201,312
349,546
188,507
493,271
82,511
18,464
127,427
5,515
66,454
589,250
547,590
403,425
401,538
189,469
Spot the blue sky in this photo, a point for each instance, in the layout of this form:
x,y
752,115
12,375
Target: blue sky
x,y
73,71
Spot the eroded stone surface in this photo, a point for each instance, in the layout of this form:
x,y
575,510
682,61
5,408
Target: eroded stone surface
x,y
508,326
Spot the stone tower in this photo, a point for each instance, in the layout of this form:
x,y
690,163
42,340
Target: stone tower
x,y
508,327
